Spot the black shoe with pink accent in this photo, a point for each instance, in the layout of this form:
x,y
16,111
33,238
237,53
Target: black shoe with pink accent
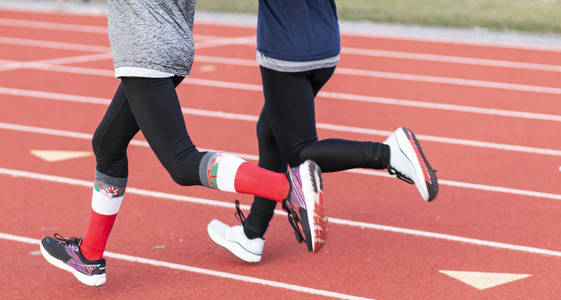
x,y
65,254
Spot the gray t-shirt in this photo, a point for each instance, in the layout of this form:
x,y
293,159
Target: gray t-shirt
x,y
152,35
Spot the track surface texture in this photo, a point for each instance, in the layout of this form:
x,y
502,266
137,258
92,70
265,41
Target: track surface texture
x,y
488,118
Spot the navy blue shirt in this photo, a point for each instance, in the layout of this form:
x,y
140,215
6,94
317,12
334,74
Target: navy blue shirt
x,y
298,30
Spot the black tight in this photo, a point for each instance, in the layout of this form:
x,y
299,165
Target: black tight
x,y
286,131
152,106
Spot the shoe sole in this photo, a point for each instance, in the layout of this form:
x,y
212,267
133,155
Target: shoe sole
x,y
314,218
429,187
233,247
90,280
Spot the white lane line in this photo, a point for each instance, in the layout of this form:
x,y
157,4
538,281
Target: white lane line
x,y
410,77
224,42
75,59
442,182
405,76
351,223
52,44
404,55
226,60
85,47
467,185
379,74
442,106
21,23
452,59
330,95
381,100
324,94
447,237
48,63
201,40
88,136
53,26
202,271
453,81
388,101
252,118
56,64
71,70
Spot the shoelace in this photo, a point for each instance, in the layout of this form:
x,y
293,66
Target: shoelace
x,y
293,218
239,214
72,241
399,175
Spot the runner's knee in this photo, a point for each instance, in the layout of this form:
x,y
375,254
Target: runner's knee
x,y
184,169
112,162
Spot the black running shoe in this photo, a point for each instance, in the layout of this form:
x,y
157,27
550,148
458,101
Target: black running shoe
x,y
65,254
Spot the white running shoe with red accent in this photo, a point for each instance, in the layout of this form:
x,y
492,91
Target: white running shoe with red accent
x,y
408,163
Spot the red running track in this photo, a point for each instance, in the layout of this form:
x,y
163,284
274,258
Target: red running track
x,y
384,241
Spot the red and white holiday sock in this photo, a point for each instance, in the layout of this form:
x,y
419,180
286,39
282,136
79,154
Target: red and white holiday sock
x,y
107,197
230,173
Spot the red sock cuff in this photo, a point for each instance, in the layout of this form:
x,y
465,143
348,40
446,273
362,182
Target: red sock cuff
x,y
251,179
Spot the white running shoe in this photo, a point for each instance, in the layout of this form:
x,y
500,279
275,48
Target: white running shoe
x,y
409,164
234,240
305,205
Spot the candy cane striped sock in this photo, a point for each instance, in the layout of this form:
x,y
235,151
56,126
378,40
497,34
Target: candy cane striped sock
x,y
230,173
107,197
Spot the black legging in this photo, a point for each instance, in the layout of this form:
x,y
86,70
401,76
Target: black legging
x,y
286,132
152,106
